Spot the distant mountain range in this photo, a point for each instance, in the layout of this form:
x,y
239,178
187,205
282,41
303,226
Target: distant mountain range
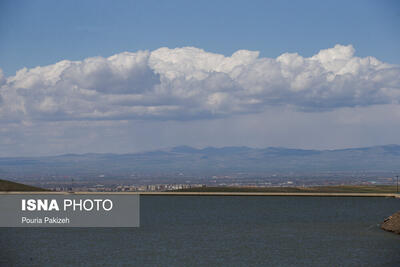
x,y
209,160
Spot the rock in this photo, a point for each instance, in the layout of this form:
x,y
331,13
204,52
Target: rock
x,y
392,223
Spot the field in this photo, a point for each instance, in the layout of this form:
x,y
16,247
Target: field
x,y
314,189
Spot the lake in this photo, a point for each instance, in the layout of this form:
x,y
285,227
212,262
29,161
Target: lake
x,y
221,231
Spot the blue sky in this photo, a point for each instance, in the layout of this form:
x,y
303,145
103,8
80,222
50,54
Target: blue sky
x,y
36,33
127,76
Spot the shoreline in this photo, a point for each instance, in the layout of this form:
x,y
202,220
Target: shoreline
x,y
330,194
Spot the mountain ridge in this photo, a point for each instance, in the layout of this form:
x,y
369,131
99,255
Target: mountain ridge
x,y
181,149
211,160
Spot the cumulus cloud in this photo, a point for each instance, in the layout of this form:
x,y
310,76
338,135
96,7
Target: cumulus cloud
x,y
190,83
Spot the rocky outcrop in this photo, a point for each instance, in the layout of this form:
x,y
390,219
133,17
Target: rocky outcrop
x,y
392,223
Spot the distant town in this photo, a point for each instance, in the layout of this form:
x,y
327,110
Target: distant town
x,y
179,181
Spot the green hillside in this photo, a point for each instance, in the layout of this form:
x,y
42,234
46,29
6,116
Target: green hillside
x,y
12,186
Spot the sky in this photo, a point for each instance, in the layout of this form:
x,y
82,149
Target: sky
x,y
128,76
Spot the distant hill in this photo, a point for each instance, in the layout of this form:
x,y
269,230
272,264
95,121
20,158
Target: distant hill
x,y
209,160
12,186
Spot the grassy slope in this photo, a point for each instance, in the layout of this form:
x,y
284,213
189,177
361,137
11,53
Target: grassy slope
x,y
316,189
12,186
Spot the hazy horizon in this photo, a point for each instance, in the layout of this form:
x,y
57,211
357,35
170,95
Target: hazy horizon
x,y
205,148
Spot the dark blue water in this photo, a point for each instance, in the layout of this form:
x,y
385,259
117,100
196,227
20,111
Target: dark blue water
x,y
221,231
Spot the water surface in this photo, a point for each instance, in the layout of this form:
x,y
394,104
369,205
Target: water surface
x,y
221,231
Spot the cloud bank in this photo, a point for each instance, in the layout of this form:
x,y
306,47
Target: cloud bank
x,y
189,83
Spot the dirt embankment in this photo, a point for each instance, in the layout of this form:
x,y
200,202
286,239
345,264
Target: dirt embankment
x,y
392,223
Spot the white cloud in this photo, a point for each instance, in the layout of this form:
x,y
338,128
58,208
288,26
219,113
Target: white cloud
x,y
189,83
